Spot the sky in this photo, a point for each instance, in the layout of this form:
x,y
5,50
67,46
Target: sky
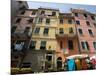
x,y
63,7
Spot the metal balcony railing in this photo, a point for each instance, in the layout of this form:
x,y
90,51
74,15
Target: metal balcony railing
x,y
22,34
65,33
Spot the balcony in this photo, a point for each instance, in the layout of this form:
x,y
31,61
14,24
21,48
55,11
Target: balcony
x,y
65,33
21,34
19,48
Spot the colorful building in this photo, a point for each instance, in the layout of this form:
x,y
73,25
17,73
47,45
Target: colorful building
x,y
42,38
66,37
21,32
86,30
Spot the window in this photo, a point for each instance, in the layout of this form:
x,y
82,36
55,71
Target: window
x,y
53,13
26,31
78,22
49,58
88,23
61,44
94,44
71,30
13,29
22,8
22,13
85,15
33,13
70,21
47,21
42,12
70,44
46,30
32,44
61,31
80,31
30,20
26,65
40,20
85,45
90,32
76,14
43,45
61,21
37,30
92,17
18,20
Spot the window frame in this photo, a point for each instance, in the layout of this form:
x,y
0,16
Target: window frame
x,y
77,22
85,15
90,32
70,21
46,31
40,20
85,45
47,20
61,21
93,17
80,31
33,13
53,13
70,45
18,20
42,12
94,45
27,29
71,31
76,14
43,46
88,23
33,44
61,30
30,20
37,30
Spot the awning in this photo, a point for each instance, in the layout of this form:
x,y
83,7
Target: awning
x,y
77,56
92,57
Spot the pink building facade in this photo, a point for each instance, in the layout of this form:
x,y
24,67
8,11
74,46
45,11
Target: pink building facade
x,y
86,30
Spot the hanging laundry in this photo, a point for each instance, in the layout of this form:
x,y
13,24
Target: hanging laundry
x,y
71,65
78,64
84,64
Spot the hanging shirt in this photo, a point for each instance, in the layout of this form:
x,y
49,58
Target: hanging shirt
x,y
19,46
71,64
78,64
93,61
84,64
